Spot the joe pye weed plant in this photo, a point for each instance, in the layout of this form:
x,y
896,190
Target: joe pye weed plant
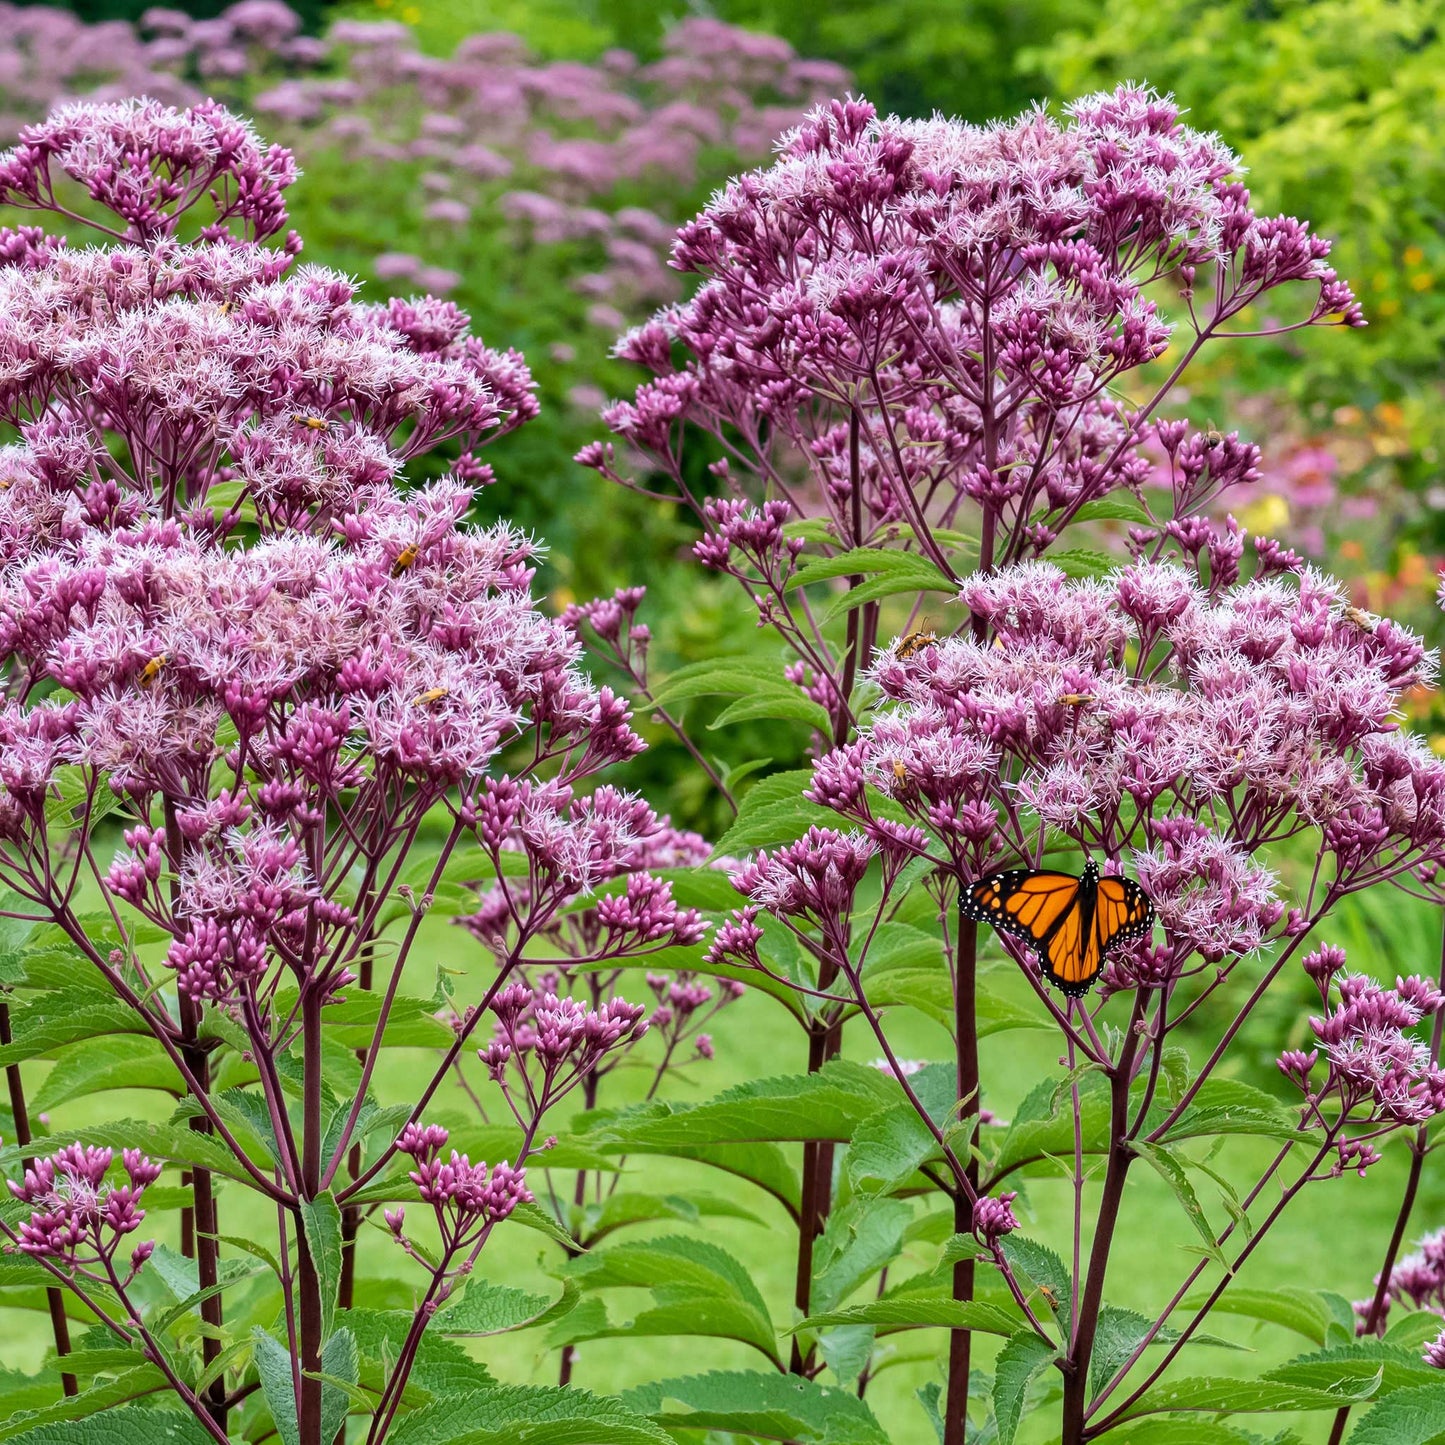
x,y
921,406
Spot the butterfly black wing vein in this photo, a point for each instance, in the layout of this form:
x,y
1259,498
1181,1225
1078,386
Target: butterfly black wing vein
x,y
1091,936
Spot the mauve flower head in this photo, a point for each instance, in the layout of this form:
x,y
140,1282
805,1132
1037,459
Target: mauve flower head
x,y
79,1218
871,238
147,164
1375,1061
1267,690
993,1217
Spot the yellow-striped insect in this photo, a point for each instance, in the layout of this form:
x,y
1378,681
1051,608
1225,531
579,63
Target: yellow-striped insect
x,y
311,423
152,669
405,559
431,695
915,642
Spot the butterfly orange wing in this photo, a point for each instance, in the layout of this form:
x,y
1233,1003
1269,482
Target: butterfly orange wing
x,y
1072,923
1024,902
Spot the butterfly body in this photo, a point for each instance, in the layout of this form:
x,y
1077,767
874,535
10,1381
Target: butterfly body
x,y
1070,923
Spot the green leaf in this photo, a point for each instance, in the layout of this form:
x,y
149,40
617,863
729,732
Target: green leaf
x,y
697,1288
1187,1431
122,1061
1219,1396
133,1424
829,1104
923,577
720,677
1170,1168
410,1023
1043,1124
923,1312
889,1148
527,1415
861,1237
1083,562
1300,1310
793,707
1230,1106
618,1211
36,1034
321,1219
758,1406
1359,1360
133,1384
1121,507
1037,1265
494,1309
338,1363
172,1142
1409,1417
273,1366
1118,1335
871,562
773,811
1022,1360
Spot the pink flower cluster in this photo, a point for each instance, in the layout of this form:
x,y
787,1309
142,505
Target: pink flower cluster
x,y
467,1199
1377,1070
79,1219
1143,717
900,319
545,145
1419,1281
542,1046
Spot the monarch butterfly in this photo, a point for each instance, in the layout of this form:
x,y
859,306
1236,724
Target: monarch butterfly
x,y
1072,923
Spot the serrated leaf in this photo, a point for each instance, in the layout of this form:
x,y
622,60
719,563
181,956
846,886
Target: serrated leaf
x,y
775,706
1300,1310
273,1367
1022,1360
897,1312
1188,1431
122,1061
527,1415
618,1211
338,1365
861,1237
758,1406
829,1104
321,1220
697,1288
1083,562
1121,507
172,1142
888,1149
62,1417
869,562
720,677
1359,1360
494,1309
1415,1416
1219,1396
133,1424
1038,1265
37,1032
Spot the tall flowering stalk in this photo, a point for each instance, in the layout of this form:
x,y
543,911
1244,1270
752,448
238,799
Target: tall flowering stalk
x,y
263,706
919,356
